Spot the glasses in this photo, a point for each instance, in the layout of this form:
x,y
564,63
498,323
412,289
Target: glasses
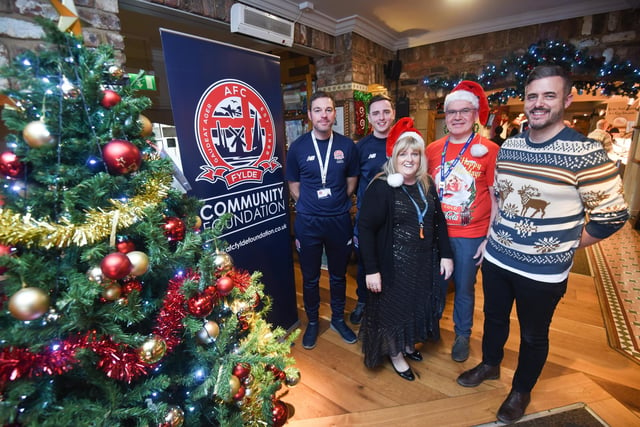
x,y
464,112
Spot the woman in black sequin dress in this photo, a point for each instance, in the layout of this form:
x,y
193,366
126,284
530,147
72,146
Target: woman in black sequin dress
x,y
404,245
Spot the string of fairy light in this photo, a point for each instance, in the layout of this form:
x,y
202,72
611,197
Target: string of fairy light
x,y
595,75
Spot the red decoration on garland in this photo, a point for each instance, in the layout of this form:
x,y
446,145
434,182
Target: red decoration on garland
x,y
201,305
110,98
241,279
121,157
131,285
361,117
241,370
4,251
10,165
224,285
280,413
116,266
125,246
174,229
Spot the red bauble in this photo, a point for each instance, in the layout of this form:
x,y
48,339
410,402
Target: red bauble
x,y
200,305
110,98
224,285
240,394
121,157
125,246
10,165
174,229
241,370
4,251
116,266
280,413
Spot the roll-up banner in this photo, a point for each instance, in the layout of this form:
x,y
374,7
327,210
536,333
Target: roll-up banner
x,y
227,109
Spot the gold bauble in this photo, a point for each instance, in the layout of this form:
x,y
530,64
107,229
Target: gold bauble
x,y
36,134
116,71
152,350
95,274
29,303
140,262
222,262
174,417
209,332
112,292
292,378
147,127
234,384
197,223
239,306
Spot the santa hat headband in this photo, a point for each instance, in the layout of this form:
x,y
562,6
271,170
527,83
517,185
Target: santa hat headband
x,y
473,93
402,128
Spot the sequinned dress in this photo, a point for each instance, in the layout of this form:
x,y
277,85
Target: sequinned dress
x,y
406,311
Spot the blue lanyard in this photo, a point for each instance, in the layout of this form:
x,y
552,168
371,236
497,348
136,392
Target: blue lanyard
x,y
443,175
421,213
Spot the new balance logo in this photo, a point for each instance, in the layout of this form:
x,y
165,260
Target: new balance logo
x,y
311,158
372,156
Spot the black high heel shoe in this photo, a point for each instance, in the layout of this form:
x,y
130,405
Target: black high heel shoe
x,y
407,375
415,355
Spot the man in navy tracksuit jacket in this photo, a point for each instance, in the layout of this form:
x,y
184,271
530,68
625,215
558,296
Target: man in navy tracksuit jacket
x,y
322,173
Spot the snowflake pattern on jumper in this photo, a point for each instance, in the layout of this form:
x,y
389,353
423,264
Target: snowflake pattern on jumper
x,y
545,192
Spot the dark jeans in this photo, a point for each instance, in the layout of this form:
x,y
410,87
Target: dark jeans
x,y
332,234
535,304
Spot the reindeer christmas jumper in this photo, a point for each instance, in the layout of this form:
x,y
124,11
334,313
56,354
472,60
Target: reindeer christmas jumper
x,y
545,193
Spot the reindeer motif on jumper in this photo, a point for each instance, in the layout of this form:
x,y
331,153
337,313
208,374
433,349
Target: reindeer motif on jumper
x,y
528,198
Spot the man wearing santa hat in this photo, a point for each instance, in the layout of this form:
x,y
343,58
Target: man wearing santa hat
x,y
462,164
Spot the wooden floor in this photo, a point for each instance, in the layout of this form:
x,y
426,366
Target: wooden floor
x,y
337,390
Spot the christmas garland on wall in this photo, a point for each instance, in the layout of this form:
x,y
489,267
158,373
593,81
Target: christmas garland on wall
x,y
591,75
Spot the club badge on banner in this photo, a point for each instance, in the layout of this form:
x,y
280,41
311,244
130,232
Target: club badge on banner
x,y
227,108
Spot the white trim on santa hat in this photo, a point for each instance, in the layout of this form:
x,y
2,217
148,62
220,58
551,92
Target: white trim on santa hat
x,y
462,95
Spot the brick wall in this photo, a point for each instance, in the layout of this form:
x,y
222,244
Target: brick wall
x,y
611,33
19,32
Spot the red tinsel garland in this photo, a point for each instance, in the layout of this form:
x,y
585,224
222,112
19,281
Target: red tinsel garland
x,y
118,361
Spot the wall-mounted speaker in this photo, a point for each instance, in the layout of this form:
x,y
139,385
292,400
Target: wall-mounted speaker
x,y
393,69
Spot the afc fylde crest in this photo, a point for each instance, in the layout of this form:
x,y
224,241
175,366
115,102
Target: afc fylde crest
x,y
235,134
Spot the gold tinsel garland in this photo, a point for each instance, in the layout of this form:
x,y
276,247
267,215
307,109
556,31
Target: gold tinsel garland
x,y
22,229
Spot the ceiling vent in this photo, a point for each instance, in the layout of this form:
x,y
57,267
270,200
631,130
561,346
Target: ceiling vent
x,y
261,25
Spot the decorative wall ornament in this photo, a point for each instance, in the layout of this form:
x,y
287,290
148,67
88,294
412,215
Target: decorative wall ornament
x,y
591,75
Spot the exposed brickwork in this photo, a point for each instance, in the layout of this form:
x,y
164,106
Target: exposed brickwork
x,y
615,31
19,32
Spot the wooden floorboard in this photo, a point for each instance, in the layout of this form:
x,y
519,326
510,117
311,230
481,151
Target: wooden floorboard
x,y
338,390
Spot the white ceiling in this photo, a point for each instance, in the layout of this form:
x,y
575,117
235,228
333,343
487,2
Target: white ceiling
x,y
400,24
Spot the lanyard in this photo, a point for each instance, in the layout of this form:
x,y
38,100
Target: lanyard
x,y
443,175
421,213
324,166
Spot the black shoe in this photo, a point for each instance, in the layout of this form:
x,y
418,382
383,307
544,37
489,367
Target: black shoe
x,y
474,377
345,332
407,375
512,409
414,355
310,336
356,315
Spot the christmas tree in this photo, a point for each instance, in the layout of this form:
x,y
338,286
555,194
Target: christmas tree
x,y
117,309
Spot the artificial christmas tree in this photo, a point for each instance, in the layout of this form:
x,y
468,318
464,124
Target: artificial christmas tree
x,y
117,310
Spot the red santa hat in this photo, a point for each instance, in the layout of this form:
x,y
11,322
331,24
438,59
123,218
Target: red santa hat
x,y
472,92
403,127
